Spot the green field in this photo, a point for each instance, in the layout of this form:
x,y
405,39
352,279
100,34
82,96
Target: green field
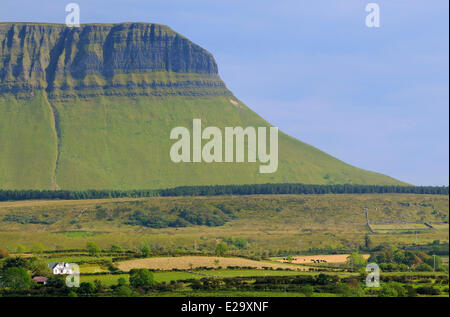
x,y
270,224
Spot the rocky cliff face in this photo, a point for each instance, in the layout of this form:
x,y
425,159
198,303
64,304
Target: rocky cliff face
x,y
104,59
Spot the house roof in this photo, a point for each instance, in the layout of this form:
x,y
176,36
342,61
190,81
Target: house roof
x,y
52,264
40,279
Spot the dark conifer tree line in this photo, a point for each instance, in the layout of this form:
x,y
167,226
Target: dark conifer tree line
x,y
219,190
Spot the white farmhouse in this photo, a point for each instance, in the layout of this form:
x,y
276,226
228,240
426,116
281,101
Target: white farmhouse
x,y
61,268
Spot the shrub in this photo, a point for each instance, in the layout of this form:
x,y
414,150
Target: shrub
x,y
427,290
92,248
307,290
16,278
86,288
424,268
221,249
116,248
123,291
141,278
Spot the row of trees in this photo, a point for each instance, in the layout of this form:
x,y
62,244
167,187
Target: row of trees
x,y
218,190
394,259
310,284
271,189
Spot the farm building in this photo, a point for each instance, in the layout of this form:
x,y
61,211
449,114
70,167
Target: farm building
x,y
61,268
40,279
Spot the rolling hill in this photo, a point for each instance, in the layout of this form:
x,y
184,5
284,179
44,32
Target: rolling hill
x,y
92,108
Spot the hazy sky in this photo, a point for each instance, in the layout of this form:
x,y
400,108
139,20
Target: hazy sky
x,y
376,98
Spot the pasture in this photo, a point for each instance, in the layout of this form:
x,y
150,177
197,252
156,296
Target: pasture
x,y
273,225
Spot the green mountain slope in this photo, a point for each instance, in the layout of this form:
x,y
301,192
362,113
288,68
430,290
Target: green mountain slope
x,y
93,107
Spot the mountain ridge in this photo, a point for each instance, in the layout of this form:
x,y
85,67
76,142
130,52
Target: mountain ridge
x,y
97,93
98,57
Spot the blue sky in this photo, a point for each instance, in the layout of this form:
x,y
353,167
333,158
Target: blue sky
x,y
376,98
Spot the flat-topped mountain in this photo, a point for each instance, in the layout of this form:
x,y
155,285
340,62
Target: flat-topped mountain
x,y
94,57
92,108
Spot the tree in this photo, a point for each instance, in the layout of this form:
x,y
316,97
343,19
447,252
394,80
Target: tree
x,y
56,281
141,278
424,268
116,248
240,243
399,256
72,294
16,278
307,290
123,291
38,248
92,248
86,288
434,261
221,249
16,262
326,279
121,281
428,290
99,286
393,289
40,267
356,260
145,249
388,291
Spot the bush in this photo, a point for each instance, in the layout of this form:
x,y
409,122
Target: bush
x,y
123,291
92,248
86,288
427,290
424,268
221,249
307,290
356,260
141,278
16,278
393,290
116,248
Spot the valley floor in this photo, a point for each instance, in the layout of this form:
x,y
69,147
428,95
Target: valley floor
x,y
262,245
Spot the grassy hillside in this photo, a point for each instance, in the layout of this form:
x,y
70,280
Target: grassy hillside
x,y
93,107
273,223
28,143
123,142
